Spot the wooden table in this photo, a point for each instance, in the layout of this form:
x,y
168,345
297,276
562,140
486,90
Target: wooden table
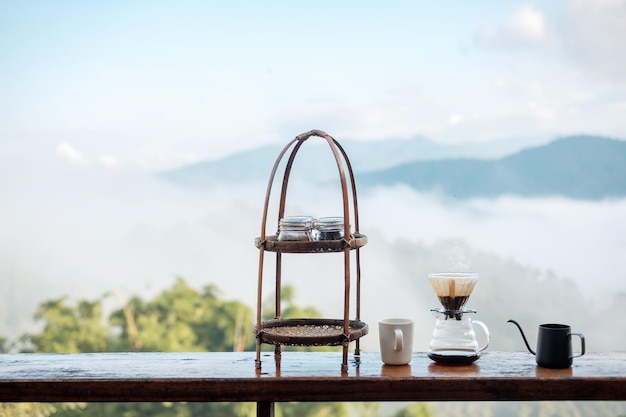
x,y
313,376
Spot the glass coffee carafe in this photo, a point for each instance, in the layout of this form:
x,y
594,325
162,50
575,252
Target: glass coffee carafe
x,y
454,339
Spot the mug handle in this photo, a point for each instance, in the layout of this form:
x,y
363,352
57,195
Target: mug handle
x,y
486,330
399,339
582,344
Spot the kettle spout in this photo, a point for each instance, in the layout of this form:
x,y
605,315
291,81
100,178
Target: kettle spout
x,y
523,336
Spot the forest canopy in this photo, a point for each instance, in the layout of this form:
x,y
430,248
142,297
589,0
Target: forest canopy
x,y
179,319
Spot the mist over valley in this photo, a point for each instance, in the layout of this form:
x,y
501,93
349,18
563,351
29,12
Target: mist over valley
x,y
81,232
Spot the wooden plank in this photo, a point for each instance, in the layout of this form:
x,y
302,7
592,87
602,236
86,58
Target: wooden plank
x,y
312,376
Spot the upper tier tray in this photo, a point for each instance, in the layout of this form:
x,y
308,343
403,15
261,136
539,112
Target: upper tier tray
x,y
272,244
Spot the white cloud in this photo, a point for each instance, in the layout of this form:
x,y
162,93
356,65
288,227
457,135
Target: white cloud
x,y
109,161
524,87
70,153
455,119
542,111
191,157
592,36
588,35
527,26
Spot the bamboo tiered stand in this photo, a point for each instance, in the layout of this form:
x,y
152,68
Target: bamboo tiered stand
x,y
312,331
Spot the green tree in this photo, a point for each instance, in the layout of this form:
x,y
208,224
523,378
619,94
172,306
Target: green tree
x,y
70,328
318,409
159,410
414,410
181,319
178,319
367,409
26,409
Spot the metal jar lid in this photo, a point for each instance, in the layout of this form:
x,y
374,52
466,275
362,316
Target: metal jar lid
x,y
329,222
297,222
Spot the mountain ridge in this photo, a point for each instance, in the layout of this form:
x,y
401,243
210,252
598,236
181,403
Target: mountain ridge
x,y
255,164
581,167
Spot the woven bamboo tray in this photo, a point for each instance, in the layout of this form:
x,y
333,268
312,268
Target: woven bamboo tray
x,y
272,244
309,332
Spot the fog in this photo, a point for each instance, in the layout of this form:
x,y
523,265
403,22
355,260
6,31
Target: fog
x,y
81,233
581,240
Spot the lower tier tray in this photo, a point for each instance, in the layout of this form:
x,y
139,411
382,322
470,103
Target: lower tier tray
x,y
309,332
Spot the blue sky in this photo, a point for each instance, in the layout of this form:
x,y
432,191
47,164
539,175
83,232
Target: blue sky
x,y
156,84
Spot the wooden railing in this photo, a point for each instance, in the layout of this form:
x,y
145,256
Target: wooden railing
x,y
313,376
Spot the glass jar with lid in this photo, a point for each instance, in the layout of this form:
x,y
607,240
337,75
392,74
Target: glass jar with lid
x,y
296,228
329,228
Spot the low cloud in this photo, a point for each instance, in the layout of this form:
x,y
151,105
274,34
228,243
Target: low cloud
x,y
549,233
71,154
134,233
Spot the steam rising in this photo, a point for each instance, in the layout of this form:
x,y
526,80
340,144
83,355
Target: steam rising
x,y
457,260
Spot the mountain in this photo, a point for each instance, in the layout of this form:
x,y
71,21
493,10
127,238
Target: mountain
x,y
256,164
580,167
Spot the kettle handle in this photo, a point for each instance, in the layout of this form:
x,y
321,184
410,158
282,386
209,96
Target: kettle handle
x,y
582,344
523,336
486,330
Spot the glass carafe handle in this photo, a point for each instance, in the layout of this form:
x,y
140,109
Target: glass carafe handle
x,y
486,330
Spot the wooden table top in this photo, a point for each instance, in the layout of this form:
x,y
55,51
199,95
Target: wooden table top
x,y
311,376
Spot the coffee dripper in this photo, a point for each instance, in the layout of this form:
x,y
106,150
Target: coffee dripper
x,y
454,339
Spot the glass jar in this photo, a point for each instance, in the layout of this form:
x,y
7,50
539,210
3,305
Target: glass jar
x,y
296,228
329,228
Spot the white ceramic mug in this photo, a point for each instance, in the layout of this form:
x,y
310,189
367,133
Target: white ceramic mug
x,y
396,341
